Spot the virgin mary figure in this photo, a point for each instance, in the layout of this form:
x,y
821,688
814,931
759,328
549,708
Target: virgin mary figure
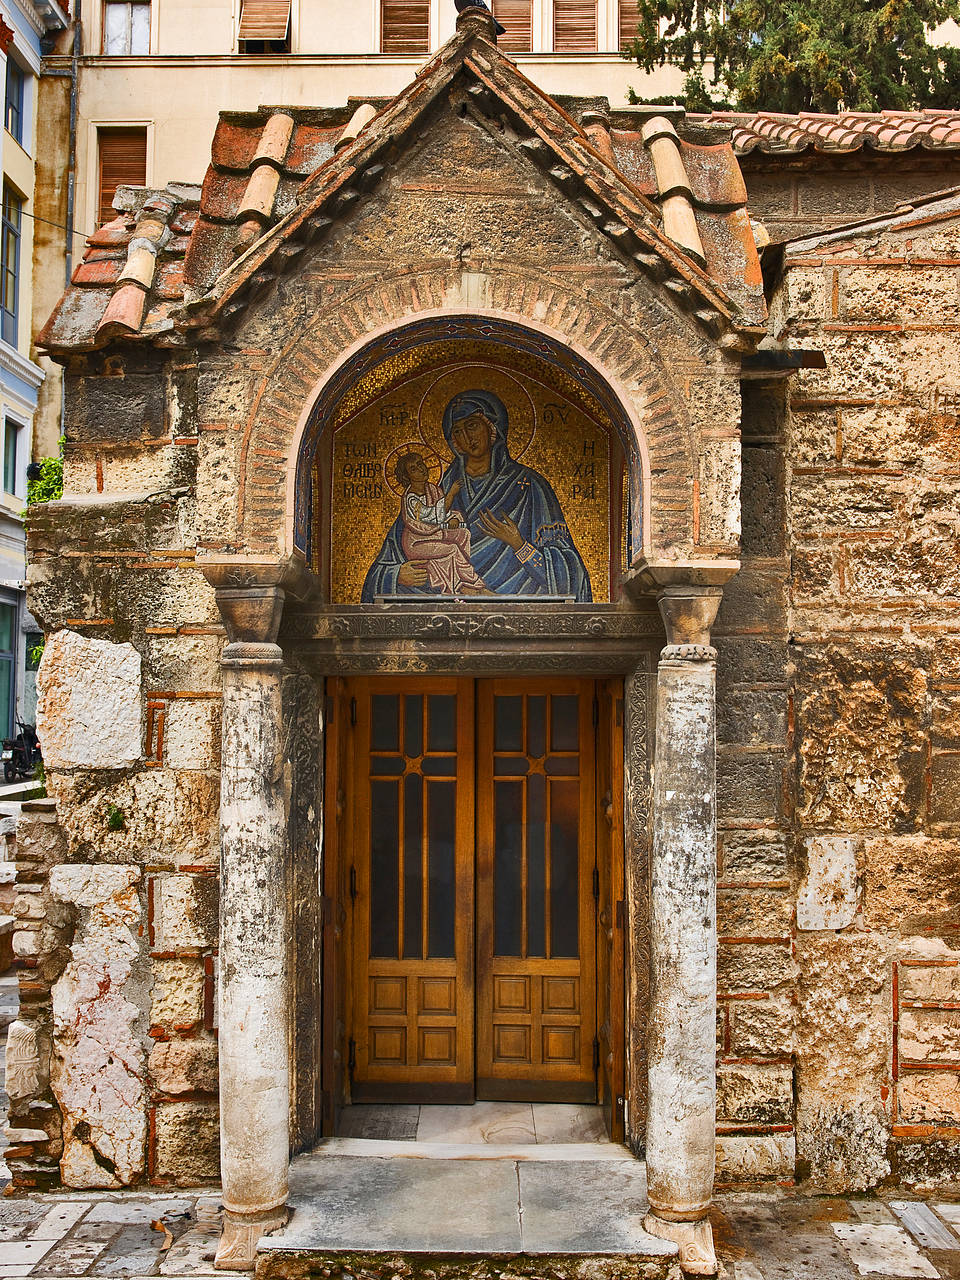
x,y
519,539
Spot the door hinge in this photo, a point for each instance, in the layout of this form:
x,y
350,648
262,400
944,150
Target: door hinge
x,y
351,1056
596,1053
353,883
621,914
596,884
353,712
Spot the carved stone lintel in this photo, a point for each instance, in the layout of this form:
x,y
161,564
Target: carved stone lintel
x,y
697,1254
240,1235
688,653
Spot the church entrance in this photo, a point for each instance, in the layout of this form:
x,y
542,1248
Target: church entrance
x,y
479,881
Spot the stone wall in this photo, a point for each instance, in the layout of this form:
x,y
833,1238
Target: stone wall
x,y
872,496
129,714
756,873
794,195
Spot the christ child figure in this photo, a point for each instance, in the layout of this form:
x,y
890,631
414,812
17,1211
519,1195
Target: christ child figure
x,y
433,536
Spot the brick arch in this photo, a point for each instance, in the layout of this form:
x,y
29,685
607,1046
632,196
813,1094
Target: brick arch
x,y
283,417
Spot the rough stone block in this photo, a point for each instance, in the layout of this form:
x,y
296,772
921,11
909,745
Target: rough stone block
x,y
929,1097
883,435
755,1094
898,293
185,911
820,504
930,1035
860,713
753,717
827,897
191,733
184,1066
933,1163
753,967
761,1028
813,440
844,1045
754,913
762,501
187,1142
177,994
89,704
754,855
747,1159
167,814
911,883
931,984
945,788
97,1007
750,784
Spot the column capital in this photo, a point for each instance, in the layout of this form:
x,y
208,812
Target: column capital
x,y
251,593
688,614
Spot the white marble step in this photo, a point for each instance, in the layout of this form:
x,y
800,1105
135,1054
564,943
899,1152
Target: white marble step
x,y
529,1151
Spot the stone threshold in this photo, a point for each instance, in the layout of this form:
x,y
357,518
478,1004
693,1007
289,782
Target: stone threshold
x,y
371,1207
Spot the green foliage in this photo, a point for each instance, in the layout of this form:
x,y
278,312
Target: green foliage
x,y
34,654
116,821
45,480
794,55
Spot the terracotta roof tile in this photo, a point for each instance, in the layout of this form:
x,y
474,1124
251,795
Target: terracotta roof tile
x,y
847,131
99,271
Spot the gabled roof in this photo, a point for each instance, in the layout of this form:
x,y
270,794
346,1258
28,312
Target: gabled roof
x,y
886,131
280,178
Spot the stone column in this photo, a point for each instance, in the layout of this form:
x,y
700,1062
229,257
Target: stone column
x,y
255,996
681,1047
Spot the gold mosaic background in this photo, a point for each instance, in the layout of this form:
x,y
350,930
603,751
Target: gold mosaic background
x,y
556,427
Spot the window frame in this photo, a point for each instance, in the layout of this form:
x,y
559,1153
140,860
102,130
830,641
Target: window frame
x,y
113,129
10,232
20,76
17,427
129,5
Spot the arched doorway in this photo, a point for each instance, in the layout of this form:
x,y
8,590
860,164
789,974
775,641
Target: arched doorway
x,y
474,821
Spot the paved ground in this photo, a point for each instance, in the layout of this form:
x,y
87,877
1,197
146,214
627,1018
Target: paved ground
x,y
760,1237
772,1236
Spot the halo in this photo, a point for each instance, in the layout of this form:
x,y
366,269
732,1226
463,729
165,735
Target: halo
x,y
430,456
521,413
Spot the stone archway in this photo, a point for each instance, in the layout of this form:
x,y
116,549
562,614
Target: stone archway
x,y
252,588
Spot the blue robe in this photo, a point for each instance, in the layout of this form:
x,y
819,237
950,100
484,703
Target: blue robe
x,y
508,489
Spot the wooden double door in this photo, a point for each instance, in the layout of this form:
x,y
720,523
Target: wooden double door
x,y
480,850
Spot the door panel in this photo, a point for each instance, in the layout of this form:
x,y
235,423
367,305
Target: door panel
x,y
412,885
536,947
468,829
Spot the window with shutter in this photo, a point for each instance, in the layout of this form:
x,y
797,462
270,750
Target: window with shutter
x,y
517,17
628,22
575,26
404,26
264,26
123,160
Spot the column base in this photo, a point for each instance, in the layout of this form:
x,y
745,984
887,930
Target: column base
x,y
240,1235
697,1254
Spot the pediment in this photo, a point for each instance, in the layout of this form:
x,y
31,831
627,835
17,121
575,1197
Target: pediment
x,y
283,182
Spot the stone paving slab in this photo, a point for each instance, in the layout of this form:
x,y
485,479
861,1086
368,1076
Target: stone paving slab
x,y
776,1235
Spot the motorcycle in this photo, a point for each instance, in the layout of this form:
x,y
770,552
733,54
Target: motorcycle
x,y
21,755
